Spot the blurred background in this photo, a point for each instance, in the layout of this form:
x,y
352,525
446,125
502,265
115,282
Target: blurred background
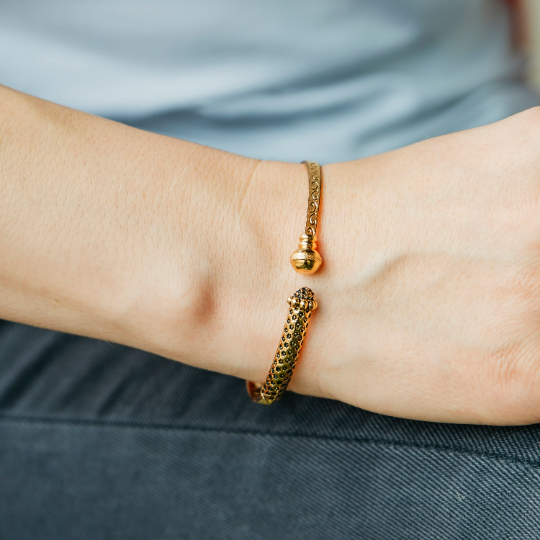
x,y
531,18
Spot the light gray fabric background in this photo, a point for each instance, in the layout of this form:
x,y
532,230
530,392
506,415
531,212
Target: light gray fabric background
x,y
278,79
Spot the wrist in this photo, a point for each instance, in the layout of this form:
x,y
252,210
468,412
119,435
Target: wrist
x,y
222,286
220,297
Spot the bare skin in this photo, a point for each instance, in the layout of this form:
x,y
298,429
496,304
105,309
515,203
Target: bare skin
x,y
429,292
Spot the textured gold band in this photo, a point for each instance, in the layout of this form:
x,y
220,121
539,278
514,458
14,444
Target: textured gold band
x,y
306,259
314,197
301,303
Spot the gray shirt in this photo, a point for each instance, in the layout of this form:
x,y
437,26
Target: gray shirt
x,y
278,79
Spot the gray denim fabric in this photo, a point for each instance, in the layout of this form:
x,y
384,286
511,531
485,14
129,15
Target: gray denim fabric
x,y
102,441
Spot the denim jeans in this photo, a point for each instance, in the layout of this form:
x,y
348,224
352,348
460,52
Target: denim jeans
x,y
101,441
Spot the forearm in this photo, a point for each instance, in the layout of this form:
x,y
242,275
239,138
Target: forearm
x,y
124,235
428,295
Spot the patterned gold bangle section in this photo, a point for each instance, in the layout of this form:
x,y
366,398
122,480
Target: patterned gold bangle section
x,y
301,304
306,259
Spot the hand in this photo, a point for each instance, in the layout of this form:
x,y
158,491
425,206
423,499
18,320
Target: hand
x,y
430,287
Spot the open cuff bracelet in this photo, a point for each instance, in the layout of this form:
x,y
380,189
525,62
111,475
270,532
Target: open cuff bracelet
x,y
305,260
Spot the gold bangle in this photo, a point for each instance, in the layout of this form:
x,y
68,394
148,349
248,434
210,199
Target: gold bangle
x,y
306,259
301,303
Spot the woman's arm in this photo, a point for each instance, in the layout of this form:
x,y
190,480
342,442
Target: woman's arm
x,y
429,293
128,236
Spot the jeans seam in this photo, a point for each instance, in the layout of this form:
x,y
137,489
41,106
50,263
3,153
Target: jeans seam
x,y
442,448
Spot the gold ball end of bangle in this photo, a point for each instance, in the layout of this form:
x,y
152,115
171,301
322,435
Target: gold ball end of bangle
x,y
306,259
